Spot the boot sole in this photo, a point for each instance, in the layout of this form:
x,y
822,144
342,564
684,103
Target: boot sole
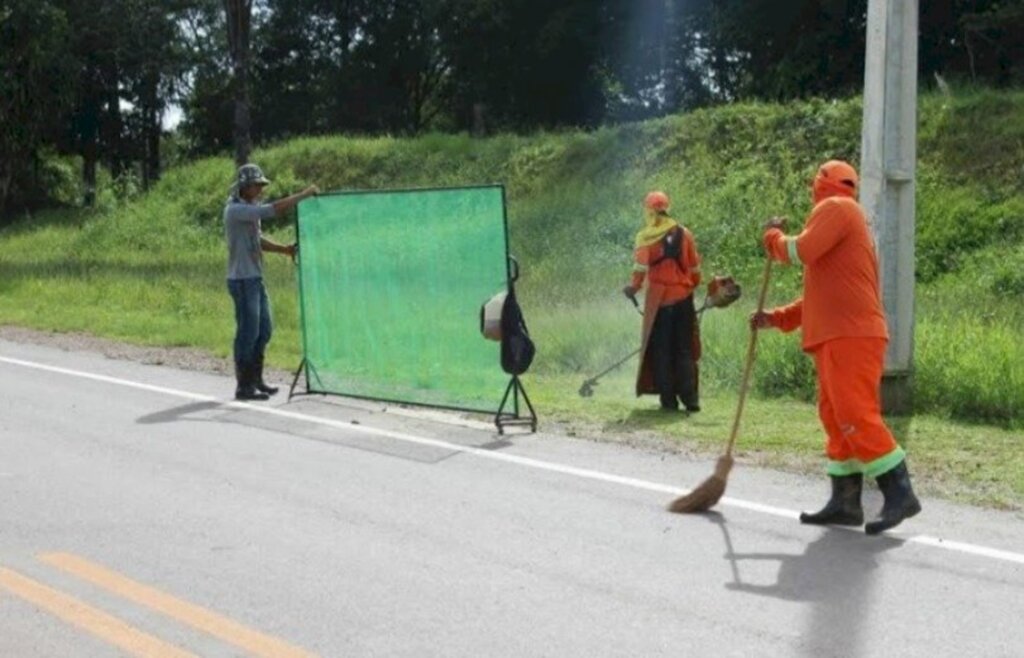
x,y
251,398
878,527
847,521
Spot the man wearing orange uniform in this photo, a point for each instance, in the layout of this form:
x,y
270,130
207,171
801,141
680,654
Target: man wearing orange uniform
x,y
844,330
666,256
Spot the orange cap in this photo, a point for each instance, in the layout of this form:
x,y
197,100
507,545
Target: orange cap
x,y
656,201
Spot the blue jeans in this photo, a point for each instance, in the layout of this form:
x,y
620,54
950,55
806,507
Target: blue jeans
x,y
253,326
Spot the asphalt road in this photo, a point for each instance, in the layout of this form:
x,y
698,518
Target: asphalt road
x,y
143,513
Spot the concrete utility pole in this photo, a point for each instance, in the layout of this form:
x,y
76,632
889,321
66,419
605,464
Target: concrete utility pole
x,y
888,164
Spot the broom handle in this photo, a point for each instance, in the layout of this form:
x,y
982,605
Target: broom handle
x,y
748,367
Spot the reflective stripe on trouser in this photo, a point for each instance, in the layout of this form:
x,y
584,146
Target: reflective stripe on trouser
x,y
849,380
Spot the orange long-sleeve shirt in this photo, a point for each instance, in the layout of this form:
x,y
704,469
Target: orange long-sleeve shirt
x,y
841,290
679,276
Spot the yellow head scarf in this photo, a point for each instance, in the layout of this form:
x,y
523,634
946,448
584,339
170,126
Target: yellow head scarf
x,y
656,225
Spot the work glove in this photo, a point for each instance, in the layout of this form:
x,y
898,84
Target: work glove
x,y
761,320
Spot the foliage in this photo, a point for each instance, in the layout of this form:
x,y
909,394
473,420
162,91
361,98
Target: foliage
x,y
33,88
95,79
573,200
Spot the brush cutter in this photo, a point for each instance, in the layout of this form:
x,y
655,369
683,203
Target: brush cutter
x,y
708,493
722,291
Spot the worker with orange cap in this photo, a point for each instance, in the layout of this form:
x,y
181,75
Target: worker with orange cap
x,y
844,330
666,256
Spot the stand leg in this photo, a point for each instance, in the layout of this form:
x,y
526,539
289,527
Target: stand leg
x,y
501,419
295,380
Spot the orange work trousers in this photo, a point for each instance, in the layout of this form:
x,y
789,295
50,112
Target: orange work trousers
x,y
849,381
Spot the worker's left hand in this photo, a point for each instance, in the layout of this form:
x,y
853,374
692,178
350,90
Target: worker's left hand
x,y
760,320
630,292
292,250
775,222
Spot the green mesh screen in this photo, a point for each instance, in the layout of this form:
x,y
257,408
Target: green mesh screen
x,y
391,284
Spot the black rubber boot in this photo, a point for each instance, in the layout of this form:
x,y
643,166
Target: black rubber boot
x,y
257,379
669,402
900,502
246,390
844,507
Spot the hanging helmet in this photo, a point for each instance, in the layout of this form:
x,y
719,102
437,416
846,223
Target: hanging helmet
x,y
657,201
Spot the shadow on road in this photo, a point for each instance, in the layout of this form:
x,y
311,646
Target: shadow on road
x,y
218,412
179,413
835,573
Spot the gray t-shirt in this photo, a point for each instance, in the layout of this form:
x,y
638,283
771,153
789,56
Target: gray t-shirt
x,y
243,232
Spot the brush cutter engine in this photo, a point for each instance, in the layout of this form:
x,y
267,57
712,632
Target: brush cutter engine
x,y
722,292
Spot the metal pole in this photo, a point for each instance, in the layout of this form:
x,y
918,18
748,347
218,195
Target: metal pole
x,y
888,164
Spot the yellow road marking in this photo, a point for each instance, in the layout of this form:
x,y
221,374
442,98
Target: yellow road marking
x,y
102,625
196,616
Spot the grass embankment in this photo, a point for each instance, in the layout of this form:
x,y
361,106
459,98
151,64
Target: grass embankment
x,y
151,270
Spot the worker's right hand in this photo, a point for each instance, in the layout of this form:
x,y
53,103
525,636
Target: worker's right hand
x,y
630,292
775,222
312,190
760,320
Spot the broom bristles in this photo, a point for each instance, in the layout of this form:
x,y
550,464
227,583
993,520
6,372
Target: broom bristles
x,y
707,494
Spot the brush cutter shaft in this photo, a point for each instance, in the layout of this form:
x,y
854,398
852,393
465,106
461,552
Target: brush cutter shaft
x,y
636,351
615,365
585,389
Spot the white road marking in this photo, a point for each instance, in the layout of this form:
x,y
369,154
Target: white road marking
x,y
924,540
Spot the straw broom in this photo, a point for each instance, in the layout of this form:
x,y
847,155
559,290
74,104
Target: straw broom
x,y
709,492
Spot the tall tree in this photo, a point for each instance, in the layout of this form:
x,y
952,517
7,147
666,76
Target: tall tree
x,y
35,79
992,41
153,62
207,101
239,23
398,64
532,63
352,65
98,28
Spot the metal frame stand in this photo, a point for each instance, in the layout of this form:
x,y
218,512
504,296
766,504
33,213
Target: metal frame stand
x,y
304,367
503,418
295,380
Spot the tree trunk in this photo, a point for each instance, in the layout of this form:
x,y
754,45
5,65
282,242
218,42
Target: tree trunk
x,y
153,149
243,119
479,119
90,151
152,130
6,177
112,130
239,20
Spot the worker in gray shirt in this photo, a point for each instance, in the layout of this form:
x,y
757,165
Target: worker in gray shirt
x,y
243,215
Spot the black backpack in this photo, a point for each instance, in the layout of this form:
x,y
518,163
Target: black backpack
x,y
517,349
671,245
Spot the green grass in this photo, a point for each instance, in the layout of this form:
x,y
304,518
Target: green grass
x,y
150,270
